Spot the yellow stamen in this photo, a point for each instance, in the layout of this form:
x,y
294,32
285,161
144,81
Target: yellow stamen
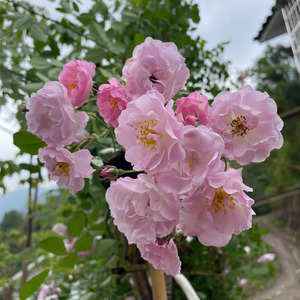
x,y
238,126
63,168
143,127
222,201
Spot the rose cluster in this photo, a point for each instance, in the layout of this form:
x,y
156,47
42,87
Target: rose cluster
x,y
51,116
181,146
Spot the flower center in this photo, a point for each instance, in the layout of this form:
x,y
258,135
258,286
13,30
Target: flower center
x,y
238,126
63,168
222,201
72,85
113,102
145,133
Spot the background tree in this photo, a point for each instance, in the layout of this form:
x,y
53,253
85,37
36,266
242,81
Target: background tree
x,y
275,72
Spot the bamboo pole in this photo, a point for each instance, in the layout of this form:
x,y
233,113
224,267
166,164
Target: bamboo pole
x,y
159,291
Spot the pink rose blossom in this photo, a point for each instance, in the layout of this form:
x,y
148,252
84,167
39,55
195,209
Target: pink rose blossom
x,y
155,66
49,291
112,100
68,169
268,257
77,77
217,209
141,210
161,257
192,108
203,149
248,122
150,134
61,229
69,243
51,115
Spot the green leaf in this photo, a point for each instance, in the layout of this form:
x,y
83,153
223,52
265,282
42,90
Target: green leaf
x,y
75,6
28,142
53,245
116,48
138,38
38,33
97,162
95,55
23,23
94,215
76,224
105,247
32,285
84,244
32,87
98,33
39,63
69,261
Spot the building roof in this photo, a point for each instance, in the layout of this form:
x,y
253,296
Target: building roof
x,y
274,24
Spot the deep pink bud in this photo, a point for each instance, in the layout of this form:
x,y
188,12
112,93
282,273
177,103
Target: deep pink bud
x,y
109,172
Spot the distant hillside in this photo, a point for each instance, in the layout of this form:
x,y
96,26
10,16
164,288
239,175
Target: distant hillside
x,y
17,200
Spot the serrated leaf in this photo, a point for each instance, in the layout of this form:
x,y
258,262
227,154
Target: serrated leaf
x,y
84,243
76,224
32,285
53,245
28,142
69,261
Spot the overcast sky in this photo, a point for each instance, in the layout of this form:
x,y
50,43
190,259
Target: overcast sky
x,y
236,21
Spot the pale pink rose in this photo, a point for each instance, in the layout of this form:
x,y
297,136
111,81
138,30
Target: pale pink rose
x,y
69,243
218,209
155,66
77,77
112,100
248,122
203,149
268,257
68,169
141,210
150,134
51,115
60,229
242,282
161,256
192,109
173,181
49,291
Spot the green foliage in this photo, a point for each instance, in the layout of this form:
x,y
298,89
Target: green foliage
x,y
76,224
12,219
53,245
28,142
32,285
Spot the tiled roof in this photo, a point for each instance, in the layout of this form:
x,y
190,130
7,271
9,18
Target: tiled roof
x,y
274,24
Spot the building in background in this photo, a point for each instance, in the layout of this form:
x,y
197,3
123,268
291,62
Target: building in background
x,y
285,18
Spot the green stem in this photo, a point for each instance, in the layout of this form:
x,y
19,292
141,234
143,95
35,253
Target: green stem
x,y
93,116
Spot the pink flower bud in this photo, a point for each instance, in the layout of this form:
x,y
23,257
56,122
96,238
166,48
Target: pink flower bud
x,y
109,172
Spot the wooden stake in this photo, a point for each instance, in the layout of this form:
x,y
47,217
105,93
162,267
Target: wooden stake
x,y
159,291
